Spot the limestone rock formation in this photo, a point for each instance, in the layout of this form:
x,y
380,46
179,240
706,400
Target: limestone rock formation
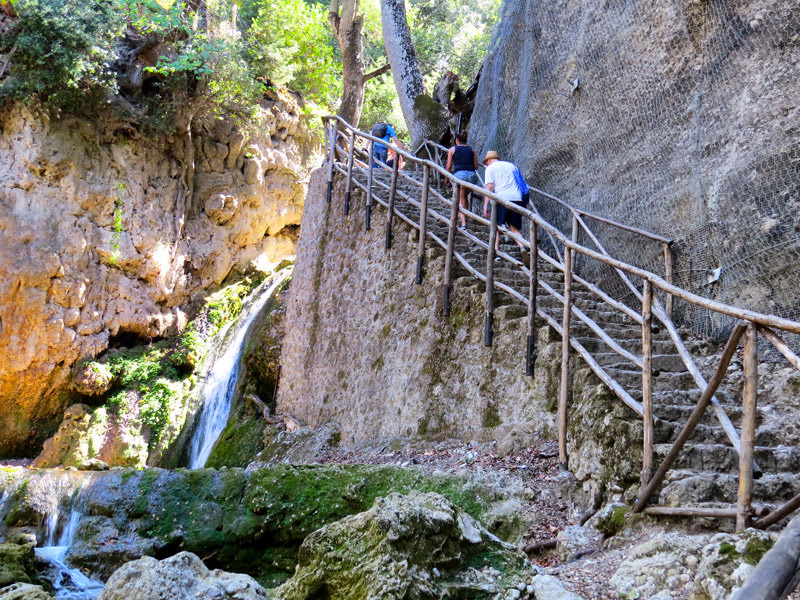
x,y
415,546
700,566
107,242
180,577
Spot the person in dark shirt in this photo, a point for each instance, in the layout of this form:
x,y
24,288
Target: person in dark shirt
x,y
462,162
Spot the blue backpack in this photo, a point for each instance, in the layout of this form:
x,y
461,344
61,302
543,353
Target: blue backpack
x,y
524,190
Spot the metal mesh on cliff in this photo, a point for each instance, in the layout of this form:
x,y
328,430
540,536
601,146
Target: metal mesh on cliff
x,y
679,117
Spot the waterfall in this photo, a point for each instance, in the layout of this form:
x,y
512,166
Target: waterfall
x,y
220,386
69,583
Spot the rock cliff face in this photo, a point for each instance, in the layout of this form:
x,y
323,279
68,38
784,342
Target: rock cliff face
x,y
108,242
368,348
671,116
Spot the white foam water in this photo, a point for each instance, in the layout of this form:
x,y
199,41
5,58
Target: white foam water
x,y
69,583
221,383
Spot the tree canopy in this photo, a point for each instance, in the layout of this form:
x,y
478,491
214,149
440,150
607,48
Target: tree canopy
x,y
219,55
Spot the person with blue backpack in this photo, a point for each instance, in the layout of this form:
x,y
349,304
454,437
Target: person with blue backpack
x,y
505,179
386,132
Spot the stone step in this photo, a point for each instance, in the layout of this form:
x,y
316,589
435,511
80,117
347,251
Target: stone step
x,y
679,414
723,487
666,363
700,456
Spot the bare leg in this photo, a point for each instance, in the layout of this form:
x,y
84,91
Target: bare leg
x,y
462,201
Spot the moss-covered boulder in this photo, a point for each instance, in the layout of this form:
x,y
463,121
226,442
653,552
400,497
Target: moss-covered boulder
x,y
17,564
416,546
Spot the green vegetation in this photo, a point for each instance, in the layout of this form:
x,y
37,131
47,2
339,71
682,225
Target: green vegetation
x,y
226,304
161,374
63,51
169,62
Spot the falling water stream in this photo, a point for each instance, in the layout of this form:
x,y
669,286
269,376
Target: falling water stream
x,y
221,383
69,583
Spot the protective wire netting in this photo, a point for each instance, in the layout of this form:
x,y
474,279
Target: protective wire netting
x,y
677,117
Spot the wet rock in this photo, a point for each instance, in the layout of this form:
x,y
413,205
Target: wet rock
x,y
180,577
395,550
17,564
726,563
24,591
101,548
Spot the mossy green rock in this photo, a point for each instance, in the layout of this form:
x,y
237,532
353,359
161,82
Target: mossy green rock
x,y
16,564
237,520
416,546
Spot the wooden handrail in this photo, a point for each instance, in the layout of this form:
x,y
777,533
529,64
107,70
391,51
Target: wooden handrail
x,y
657,281
753,322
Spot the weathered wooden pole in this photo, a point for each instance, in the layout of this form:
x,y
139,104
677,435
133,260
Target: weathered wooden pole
x,y
488,321
451,248
423,222
332,157
530,345
368,209
778,573
392,193
350,158
749,404
563,392
694,418
668,271
647,382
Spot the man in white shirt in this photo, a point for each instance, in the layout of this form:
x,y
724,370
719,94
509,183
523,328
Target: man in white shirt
x,y
500,180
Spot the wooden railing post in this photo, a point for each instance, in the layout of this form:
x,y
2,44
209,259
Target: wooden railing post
x,y
647,382
332,157
423,221
749,404
350,158
368,208
694,418
668,272
451,248
392,193
563,392
530,345
488,321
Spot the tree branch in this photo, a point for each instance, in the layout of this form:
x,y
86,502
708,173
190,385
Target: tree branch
x,y
333,16
376,72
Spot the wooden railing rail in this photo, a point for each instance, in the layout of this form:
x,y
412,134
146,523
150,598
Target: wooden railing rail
x,y
342,141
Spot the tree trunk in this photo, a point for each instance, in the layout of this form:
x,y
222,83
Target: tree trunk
x,y
348,26
423,116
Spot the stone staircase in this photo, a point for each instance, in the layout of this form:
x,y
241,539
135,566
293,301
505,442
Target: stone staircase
x,y
706,471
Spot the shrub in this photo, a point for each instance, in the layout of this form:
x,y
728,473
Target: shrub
x,y
64,49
